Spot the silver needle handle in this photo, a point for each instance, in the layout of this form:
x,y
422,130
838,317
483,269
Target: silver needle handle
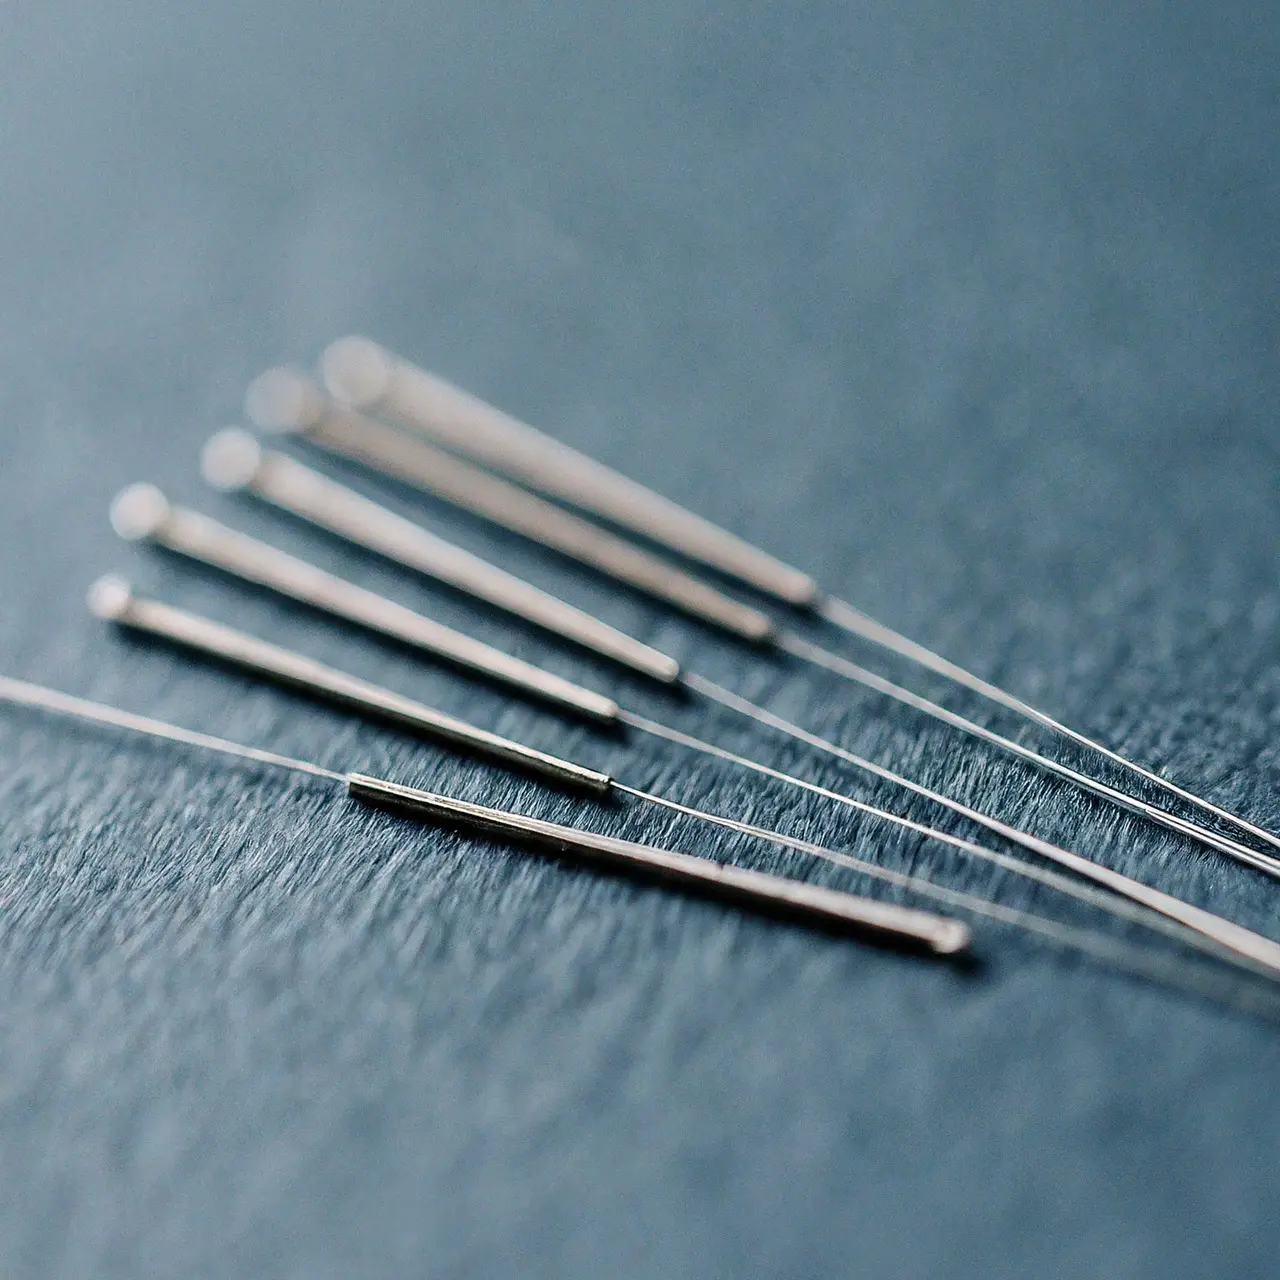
x,y
285,400
234,460
142,513
113,599
939,934
367,376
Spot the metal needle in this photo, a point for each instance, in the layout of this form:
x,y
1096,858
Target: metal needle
x,y
792,897
858,623
234,460
368,377
365,375
286,400
774,895
112,599
142,513
802,648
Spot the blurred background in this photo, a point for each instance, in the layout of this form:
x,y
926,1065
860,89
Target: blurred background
x,y
968,309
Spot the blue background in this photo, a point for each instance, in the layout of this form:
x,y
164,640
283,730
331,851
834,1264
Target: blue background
x,y
969,309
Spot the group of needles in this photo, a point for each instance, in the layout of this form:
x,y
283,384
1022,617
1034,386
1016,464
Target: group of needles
x,y
400,423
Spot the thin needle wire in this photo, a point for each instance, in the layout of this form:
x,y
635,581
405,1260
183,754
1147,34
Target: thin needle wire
x,y
34,695
856,622
814,903
1229,934
804,649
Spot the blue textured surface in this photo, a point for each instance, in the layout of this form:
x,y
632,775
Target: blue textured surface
x,y
969,309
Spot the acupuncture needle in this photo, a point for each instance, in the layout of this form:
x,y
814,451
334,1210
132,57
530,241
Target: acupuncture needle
x,y
810,904
112,599
708,877
367,376
233,459
142,513
286,400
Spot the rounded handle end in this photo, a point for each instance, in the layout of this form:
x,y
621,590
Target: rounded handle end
x,y
231,459
356,371
283,399
110,597
138,512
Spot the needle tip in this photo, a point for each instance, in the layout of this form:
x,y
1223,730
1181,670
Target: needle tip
x,y
138,512
356,371
231,459
283,399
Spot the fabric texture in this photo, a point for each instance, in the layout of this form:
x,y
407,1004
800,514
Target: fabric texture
x,y
968,309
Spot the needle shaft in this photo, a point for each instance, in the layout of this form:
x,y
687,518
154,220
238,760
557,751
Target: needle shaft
x,y
142,513
810,904
233,460
112,599
285,400
361,373
859,624
803,649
